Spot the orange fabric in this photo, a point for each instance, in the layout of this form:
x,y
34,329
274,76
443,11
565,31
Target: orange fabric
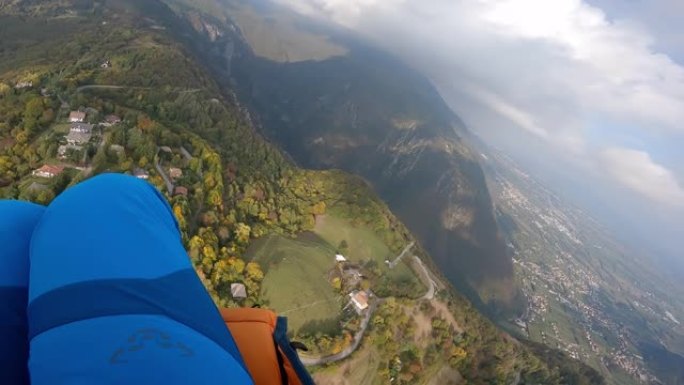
x,y
252,330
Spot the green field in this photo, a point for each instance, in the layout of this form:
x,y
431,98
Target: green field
x,y
296,283
296,272
363,246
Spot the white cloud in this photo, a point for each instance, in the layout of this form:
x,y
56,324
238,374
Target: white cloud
x,y
522,118
555,68
531,48
637,171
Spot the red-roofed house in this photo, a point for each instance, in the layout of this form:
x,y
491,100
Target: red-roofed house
x,y
360,300
112,119
180,190
48,171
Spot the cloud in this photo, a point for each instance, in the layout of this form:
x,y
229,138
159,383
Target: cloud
x,y
522,118
527,49
556,70
637,171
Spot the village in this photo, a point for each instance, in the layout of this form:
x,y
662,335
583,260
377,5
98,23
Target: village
x,y
87,134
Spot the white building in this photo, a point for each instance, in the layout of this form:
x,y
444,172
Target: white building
x,y
238,291
77,116
82,128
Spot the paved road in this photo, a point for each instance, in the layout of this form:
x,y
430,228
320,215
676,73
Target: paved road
x,y
106,87
310,361
185,153
427,279
394,263
113,87
160,170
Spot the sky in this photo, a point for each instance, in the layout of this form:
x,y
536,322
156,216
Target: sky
x,y
587,94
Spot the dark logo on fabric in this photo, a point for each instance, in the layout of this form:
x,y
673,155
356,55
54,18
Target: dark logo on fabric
x,y
146,339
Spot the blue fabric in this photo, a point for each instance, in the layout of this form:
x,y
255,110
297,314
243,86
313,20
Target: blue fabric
x,y
17,220
135,349
173,295
280,338
110,226
116,235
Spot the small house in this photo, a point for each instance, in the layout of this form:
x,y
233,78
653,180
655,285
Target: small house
x,y
360,300
23,84
180,190
238,291
141,174
77,116
112,120
340,258
175,173
48,171
81,128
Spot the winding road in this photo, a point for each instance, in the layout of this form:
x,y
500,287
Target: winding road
x,y
427,279
424,274
312,361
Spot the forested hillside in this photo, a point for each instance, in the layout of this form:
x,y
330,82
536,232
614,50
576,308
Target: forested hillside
x,y
331,102
117,86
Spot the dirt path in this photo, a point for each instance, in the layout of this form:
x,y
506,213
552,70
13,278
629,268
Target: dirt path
x,y
306,306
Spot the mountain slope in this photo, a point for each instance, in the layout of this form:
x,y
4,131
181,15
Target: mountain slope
x,y
358,110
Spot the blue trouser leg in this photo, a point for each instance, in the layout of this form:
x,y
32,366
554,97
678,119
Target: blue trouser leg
x,y
17,220
113,298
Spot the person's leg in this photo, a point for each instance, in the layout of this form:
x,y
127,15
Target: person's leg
x,y
17,220
113,298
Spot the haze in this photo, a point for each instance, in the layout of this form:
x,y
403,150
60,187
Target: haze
x,y
587,95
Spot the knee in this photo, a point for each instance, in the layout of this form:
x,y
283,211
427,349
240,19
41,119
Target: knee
x,y
112,189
